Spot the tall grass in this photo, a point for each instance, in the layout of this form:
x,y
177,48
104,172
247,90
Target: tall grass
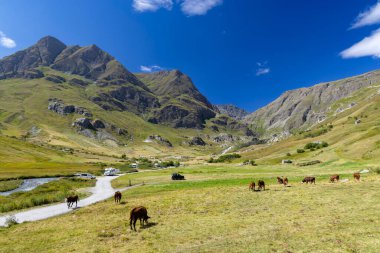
x,y
51,192
9,185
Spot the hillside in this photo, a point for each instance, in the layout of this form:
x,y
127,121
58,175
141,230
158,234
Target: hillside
x,y
83,99
302,108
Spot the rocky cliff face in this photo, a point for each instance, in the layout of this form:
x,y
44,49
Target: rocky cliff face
x,y
304,107
232,110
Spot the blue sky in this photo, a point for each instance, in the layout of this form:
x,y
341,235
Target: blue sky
x,y
245,52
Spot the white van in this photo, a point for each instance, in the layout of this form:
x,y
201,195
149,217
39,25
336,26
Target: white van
x,y
111,171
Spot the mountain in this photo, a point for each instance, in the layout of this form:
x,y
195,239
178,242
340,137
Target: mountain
x,y
171,98
182,105
82,99
232,110
302,108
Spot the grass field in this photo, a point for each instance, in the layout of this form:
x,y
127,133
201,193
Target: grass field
x,y
213,211
9,185
55,191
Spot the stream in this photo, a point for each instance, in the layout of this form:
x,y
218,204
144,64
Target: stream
x,y
29,184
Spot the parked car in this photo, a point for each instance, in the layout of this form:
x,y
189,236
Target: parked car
x,y
85,175
177,176
111,171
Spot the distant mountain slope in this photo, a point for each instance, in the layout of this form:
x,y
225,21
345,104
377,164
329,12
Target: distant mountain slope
x,y
232,110
301,108
182,103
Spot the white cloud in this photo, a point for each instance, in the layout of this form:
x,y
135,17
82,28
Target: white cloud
x,y
262,71
368,17
198,7
369,46
263,68
151,5
150,68
6,41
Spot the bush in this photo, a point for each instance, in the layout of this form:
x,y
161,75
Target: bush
x,y
313,145
225,158
300,151
288,154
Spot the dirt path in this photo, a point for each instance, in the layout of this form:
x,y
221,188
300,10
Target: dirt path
x,y
102,190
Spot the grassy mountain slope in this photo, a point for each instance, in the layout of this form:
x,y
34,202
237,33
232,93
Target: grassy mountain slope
x,y
354,136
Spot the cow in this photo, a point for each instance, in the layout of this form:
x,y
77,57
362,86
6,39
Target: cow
x,y
252,186
261,185
357,176
309,180
334,178
280,180
286,181
138,213
71,200
117,197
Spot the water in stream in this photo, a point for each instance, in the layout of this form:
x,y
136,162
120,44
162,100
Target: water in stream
x,y
29,184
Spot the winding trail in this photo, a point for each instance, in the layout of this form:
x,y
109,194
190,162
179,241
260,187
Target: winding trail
x,y
102,190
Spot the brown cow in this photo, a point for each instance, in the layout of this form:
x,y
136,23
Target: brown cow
x,y
280,180
309,180
252,186
334,178
71,200
357,176
117,197
286,181
261,185
138,213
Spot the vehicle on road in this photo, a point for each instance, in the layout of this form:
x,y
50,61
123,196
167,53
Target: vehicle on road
x,y
111,171
85,175
177,176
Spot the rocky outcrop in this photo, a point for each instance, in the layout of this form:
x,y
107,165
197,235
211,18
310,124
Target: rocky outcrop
x,y
223,138
78,82
98,124
58,106
301,108
197,141
55,79
83,123
158,139
232,111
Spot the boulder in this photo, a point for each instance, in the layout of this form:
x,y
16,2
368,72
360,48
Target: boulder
x,y
98,124
83,123
197,141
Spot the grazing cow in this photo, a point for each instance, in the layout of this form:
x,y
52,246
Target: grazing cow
x,y
280,180
309,180
334,178
261,185
357,176
138,213
117,197
252,186
71,200
286,181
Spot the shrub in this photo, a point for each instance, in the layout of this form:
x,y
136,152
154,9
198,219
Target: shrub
x,y
300,151
225,158
288,154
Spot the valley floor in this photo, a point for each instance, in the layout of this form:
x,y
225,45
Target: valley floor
x,y
213,211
